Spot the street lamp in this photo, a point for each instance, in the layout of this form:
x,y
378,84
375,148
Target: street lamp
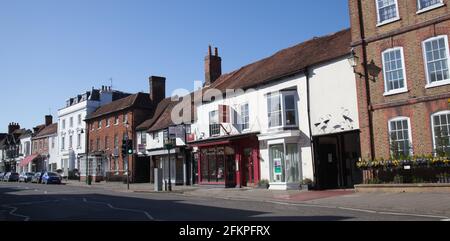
x,y
86,155
372,69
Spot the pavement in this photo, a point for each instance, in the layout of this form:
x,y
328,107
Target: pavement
x,y
419,204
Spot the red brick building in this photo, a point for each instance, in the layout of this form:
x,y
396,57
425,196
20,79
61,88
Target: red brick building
x,y
114,122
40,145
405,102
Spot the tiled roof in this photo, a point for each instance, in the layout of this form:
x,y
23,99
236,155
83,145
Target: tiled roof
x,y
48,130
287,61
284,63
139,100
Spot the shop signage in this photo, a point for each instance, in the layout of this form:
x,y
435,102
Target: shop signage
x,y
277,166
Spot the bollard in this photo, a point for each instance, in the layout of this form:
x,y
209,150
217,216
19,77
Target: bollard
x,y
158,179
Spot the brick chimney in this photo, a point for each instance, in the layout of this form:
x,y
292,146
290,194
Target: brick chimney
x,y
13,127
213,66
157,88
48,120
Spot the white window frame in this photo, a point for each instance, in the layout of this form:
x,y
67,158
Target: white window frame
x,y
379,23
70,142
63,143
405,87
78,140
248,115
425,61
401,118
282,95
116,120
108,122
445,112
422,10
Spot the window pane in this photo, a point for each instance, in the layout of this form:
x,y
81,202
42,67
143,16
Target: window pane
x,y
400,139
436,58
387,10
428,3
393,70
292,163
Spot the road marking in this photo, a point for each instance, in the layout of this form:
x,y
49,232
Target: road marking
x,y
12,212
442,218
123,209
446,220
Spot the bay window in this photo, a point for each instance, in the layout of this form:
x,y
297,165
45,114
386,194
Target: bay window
x,y
282,109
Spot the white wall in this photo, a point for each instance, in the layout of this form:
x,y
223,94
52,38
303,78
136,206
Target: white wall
x,y
333,96
53,150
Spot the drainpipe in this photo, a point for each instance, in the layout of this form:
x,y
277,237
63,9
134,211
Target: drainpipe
x,y
311,142
366,78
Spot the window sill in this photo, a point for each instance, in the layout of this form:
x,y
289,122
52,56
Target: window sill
x,y
388,21
395,92
437,84
430,8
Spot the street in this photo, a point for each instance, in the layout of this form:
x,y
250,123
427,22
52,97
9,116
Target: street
x,y
38,202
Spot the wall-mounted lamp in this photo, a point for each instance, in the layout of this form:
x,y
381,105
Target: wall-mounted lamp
x,y
372,69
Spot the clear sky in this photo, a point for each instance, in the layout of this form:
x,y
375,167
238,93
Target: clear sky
x,y
51,50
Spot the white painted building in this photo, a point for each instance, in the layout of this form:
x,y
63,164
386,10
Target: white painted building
x,y
72,127
299,107
24,152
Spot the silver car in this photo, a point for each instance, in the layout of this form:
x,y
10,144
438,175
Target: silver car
x,y
26,176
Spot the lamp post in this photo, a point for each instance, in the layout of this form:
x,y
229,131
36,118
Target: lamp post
x,y
86,154
168,143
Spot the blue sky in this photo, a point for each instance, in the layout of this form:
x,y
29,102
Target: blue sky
x,y
51,50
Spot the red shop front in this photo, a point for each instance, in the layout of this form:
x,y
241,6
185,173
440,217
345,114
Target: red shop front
x,y
232,161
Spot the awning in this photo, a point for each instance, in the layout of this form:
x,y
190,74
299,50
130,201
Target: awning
x,y
27,160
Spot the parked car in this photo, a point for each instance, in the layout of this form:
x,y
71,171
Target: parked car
x,y
37,178
2,174
51,177
11,177
26,176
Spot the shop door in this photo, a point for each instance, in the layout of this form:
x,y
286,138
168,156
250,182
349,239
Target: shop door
x,y
328,167
248,173
230,180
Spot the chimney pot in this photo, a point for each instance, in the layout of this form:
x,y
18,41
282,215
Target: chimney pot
x,y
216,52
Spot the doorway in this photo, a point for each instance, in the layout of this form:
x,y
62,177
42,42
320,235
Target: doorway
x,y
230,166
335,160
248,170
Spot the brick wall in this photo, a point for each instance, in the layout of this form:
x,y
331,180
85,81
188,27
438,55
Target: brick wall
x,y
419,103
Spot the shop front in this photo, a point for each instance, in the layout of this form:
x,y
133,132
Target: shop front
x,y
231,162
179,164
